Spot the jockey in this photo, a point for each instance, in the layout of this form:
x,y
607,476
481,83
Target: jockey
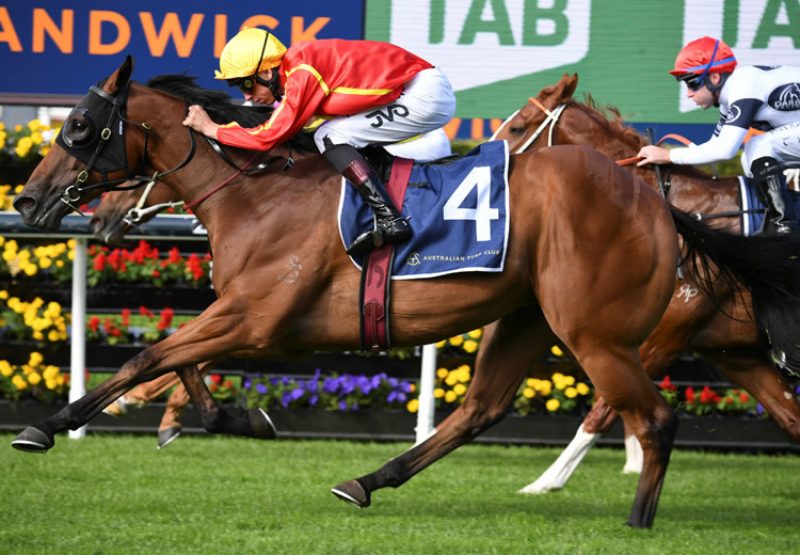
x,y
368,93
766,98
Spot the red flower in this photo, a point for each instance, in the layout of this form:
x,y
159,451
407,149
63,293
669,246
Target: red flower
x,y
99,263
166,319
94,323
667,384
709,396
689,393
174,255
744,397
126,317
228,384
145,312
213,388
156,273
215,378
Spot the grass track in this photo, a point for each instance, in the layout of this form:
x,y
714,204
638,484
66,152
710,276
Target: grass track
x,y
117,494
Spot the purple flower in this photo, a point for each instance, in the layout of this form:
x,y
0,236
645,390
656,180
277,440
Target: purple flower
x,y
759,409
343,405
296,394
246,383
261,388
312,401
286,398
330,385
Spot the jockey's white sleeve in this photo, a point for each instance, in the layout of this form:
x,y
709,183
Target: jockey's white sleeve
x,y
722,147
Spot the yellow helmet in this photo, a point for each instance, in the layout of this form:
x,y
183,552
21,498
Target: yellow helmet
x,y
240,57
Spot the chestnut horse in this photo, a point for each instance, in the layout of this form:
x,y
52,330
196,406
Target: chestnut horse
x,y
592,262
730,339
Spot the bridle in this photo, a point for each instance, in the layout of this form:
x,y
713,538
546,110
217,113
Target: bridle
x,y
551,120
99,98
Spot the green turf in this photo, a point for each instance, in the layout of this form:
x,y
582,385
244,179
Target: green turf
x,y
117,494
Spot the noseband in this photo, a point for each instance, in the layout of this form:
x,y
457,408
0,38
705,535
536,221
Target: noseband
x,y
101,159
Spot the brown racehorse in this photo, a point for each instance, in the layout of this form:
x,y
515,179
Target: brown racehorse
x,y
730,339
592,263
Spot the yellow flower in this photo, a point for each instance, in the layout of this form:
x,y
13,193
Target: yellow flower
x,y
441,344
476,334
412,405
441,373
450,396
30,269
5,368
36,358
34,378
552,405
571,392
457,340
51,384
470,346
528,393
4,294
38,336
45,263
582,388
35,125
556,350
463,373
452,378
53,335
71,243
460,389
51,372
19,382
438,393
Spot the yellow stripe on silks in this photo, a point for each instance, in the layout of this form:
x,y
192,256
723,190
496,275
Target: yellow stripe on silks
x,y
267,124
305,67
313,124
410,139
365,92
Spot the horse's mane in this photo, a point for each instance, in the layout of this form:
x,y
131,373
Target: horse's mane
x,y
220,106
612,118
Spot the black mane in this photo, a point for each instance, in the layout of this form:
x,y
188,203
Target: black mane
x,y
218,104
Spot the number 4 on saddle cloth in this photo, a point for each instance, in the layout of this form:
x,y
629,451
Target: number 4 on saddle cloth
x,y
458,211
754,209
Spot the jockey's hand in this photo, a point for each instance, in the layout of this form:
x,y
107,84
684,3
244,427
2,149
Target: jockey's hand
x,y
652,154
199,120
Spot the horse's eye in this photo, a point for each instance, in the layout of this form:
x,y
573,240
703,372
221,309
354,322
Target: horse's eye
x,y
517,130
79,130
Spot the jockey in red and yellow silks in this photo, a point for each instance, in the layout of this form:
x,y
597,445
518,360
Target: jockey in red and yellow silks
x,y
329,78
369,92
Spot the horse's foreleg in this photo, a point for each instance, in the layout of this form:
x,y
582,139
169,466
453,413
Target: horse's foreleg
x,y
214,333
505,356
142,394
595,424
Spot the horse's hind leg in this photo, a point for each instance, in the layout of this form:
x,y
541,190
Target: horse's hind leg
x,y
505,357
619,377
250,423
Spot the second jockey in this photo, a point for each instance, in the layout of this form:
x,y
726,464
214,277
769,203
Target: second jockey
x,y
766,98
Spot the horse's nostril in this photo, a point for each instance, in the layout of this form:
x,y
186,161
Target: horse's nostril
x,y
24,204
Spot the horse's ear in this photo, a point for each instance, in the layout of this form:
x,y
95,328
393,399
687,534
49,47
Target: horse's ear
x,y
120,77
565,88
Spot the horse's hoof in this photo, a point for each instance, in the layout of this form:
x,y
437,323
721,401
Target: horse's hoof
x,y
33,440
538,489
165,437
352,492
263,428
117,408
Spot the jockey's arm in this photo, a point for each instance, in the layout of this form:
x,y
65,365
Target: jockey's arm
x,y
303,95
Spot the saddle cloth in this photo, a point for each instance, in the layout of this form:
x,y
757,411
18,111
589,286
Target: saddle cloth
x,y
458,212
753,209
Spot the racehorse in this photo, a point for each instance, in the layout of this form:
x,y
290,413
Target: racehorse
x,y
729,338
592,262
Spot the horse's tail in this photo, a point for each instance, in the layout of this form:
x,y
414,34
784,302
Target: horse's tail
x,y
768,266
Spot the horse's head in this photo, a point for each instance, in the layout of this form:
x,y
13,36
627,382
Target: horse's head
x,y
554,117
538,116
90,149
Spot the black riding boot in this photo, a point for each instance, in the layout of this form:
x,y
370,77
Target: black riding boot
x,y
390,226
768,176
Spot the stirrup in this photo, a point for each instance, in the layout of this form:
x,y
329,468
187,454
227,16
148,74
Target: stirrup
x,y
366,242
